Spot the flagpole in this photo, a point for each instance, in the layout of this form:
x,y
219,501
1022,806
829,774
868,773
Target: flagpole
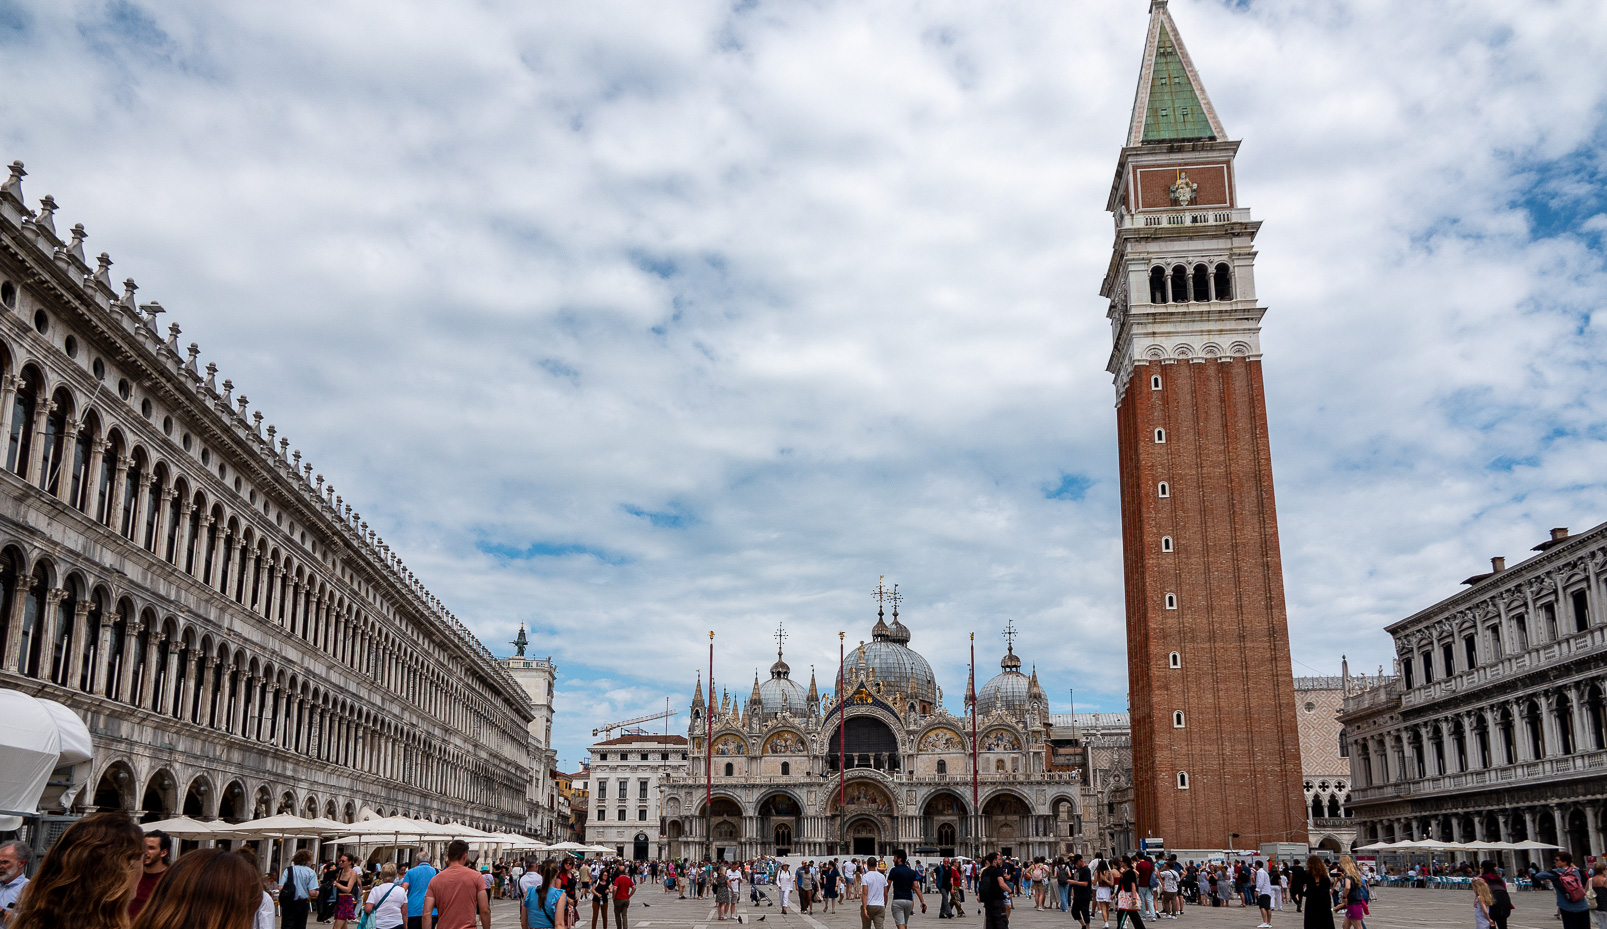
x,y
708,760
842,744
976,814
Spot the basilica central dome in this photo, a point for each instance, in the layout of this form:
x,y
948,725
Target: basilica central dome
x,y
887,659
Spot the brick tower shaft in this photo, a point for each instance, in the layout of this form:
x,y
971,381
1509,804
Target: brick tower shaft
x,y
1215,747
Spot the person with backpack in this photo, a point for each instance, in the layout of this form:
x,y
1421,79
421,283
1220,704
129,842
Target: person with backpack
x,y
1063,883
1502,907
298,885
1353,894
386,904
1572,900
543,905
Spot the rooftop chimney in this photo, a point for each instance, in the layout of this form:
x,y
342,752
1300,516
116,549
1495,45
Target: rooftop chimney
x,y
1558,536
1498,564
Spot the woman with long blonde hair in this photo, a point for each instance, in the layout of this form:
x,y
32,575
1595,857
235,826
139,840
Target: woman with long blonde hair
x,y
1353,894
88,879
1482,901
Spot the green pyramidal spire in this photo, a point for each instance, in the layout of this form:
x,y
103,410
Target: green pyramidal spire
x,y
1174,110
1171,105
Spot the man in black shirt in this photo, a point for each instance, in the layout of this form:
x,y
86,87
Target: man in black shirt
x,y
994,893
945,887
1082,891
904,880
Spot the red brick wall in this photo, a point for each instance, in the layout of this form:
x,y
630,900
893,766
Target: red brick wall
x,y
1240,745
1215,186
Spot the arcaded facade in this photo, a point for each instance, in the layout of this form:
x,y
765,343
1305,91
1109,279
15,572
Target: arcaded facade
x,y
1494,725
238,640
775,765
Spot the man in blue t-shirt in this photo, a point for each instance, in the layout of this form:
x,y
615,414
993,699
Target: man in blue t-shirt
x,y
417,883
905,881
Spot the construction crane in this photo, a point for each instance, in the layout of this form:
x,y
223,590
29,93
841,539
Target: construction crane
x,y
608,729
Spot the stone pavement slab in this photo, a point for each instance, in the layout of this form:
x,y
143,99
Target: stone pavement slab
x,y
1392,908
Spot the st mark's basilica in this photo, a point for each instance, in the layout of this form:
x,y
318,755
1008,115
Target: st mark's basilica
x,y
1045,784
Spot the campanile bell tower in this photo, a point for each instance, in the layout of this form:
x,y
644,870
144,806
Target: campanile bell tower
x,y
1215,750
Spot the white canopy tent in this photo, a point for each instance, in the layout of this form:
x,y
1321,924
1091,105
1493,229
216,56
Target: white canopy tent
x,y
38,738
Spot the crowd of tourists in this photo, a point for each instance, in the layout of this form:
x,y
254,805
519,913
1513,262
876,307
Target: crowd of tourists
x,y
105,873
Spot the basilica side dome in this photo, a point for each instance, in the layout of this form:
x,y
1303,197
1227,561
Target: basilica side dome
x,y
782,693
887,659
1010,692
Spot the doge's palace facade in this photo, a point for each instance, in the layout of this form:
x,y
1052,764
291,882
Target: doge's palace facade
x,y
238,640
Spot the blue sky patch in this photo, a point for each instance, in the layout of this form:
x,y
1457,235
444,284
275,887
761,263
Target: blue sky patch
x,y
674,519
537,550
1070,487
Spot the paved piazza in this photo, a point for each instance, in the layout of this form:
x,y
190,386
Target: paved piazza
x,y
1393,908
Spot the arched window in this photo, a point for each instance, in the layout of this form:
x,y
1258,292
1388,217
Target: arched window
x,y
1160,437
786,768
1166,543
1171,601
153,507
1202,283
1316,806
999,766
1224,282
942,766
1157,285
1180,284
729,769
1177,719
78,487
20,443
50,461
1164,490
1174,660
131,487
1182,780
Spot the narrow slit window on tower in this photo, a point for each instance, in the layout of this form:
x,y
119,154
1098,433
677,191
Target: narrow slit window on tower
x,y
1174,660
1166,543
1177,719
1202,284
1154,382
1224,282
1160,437
1171,601
1157,285
1182,780
1165,491
1180,284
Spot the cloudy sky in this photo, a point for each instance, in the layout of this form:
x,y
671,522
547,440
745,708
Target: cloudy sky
x,y
629,321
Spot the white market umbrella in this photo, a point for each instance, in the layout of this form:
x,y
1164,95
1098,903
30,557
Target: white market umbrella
x,y
1530,845
183,827
36,737
279,826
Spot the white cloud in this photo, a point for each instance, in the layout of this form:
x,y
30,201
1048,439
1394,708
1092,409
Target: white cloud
x,y
816,284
